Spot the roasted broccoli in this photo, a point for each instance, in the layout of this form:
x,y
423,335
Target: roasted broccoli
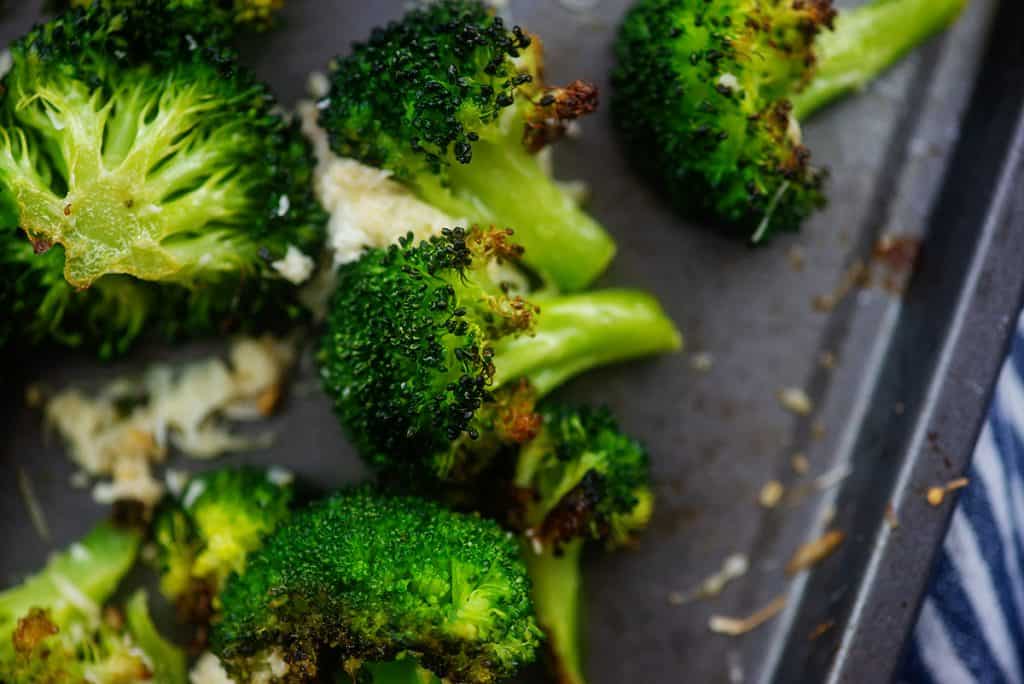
x,y
581,478
207,533
223,16
154,181
55,630
708,95
364,577
452,103
427,349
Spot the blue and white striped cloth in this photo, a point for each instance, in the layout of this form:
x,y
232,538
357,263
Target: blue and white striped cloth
x,y
971,628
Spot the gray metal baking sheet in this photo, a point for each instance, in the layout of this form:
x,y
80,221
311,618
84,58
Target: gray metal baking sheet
x,y
716,436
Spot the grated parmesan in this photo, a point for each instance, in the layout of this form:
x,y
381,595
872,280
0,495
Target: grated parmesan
x,y
367,207
185,407
208,670
295,267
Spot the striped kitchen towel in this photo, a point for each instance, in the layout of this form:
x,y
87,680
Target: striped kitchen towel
x,y
971,628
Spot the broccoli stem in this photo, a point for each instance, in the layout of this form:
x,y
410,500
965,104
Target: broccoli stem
x,y
866,41
557,599
86,575
506,187
577,332
167,661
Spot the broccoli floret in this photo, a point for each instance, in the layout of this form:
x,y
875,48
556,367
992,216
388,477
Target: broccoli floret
x,y
452,102
366,577
154,181
54,629
207,533
581,478
425,351
708,95
198,15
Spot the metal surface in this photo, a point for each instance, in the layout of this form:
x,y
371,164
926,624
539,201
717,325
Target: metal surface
x,y
718,436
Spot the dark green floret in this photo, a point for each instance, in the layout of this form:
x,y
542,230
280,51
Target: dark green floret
x,y
208,532
206,19
708,95
452,102
363,577
146,182
54,629
434,360
581,478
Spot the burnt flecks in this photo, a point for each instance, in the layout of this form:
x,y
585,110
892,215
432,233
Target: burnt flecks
x,y
555,109
575,512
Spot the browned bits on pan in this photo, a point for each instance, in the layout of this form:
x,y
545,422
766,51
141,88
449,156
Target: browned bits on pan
x,y
890,517
821,629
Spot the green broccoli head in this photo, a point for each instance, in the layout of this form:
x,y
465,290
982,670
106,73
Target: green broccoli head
x,y
129,153
709,95
583,478
367,577
207,534
205,18
700,102
426,351
55,629
451,101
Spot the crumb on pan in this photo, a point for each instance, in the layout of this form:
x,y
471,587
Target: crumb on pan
x,y
795,399
702,362
796,258
735,566
771,494
936,495
35,509
890,516
821,629
813,552
730,626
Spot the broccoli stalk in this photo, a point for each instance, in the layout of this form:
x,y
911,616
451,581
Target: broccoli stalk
x,y
207,533
558,597
56,631
84,576
575,333
167,661
865,42
428,348
149,169
453,104
708,96
366,578
581,478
